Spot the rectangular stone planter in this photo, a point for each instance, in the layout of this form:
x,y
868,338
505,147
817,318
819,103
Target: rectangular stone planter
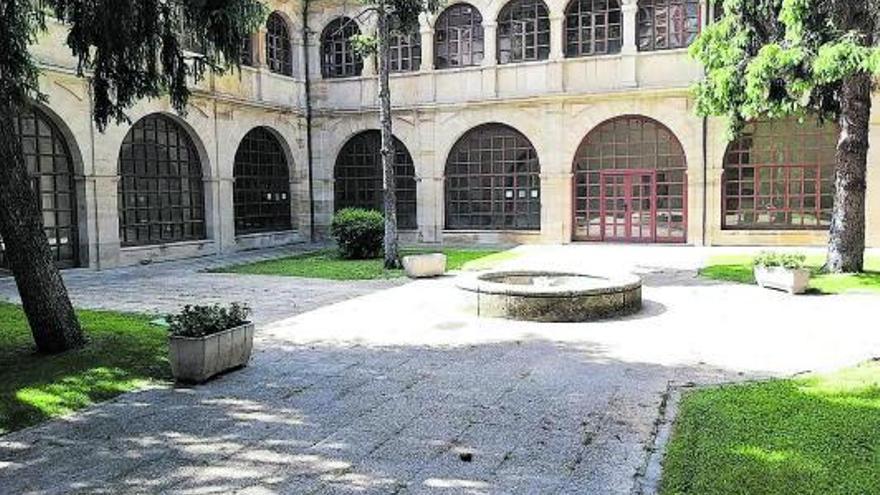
x,y
424,265
195,360
781,278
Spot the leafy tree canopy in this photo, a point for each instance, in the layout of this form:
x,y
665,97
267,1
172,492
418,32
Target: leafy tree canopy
x,y
775,58
130,49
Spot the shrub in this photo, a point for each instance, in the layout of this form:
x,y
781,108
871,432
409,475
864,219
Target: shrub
x,y
201,321
791,261
358,233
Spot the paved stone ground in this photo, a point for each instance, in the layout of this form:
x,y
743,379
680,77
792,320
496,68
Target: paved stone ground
x,y
165,287
383,393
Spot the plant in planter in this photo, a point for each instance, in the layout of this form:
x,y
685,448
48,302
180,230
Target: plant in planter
x,y
208,340
782,271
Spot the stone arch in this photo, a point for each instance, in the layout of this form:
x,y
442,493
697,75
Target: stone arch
x,y
492,181
357,177
630,183
261,189
162,196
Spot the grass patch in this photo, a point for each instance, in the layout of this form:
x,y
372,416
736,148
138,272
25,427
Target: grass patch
x,y
738,268
326,264
814,435
125,352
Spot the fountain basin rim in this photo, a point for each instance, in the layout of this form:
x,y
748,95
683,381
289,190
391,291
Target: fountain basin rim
x,y
611,284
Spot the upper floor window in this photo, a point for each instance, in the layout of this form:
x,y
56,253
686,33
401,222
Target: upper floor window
x,y
458,37
338,56
668,24
247,52
406,52
523,32
278,50
593,27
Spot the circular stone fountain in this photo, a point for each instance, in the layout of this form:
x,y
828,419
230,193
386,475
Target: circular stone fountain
x,y
548,296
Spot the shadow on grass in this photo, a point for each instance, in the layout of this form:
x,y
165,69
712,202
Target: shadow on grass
x,y
812,435
124,352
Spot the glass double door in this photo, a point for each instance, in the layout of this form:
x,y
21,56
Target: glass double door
x,y
628,206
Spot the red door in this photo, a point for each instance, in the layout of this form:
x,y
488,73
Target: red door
x,y
628,202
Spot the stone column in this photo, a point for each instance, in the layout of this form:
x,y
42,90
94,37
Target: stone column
x,y
427,34
490,43
369,66
557,37
258,42
705,14
630,11
629,51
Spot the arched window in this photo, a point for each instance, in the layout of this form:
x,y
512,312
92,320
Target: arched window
x,y
161,192
630,183
493,181
523,31
780,175
406,52
50,166
458,37
668,24
339,58
247,53
261,196
358,177
593,27
278,49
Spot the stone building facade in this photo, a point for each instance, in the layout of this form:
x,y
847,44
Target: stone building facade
x,y
527,121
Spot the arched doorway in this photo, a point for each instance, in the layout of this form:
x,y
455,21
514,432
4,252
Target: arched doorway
x,y
50,164
630,183
358,177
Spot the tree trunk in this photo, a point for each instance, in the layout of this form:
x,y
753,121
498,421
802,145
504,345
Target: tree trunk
x,y
43,294
392,252
846,250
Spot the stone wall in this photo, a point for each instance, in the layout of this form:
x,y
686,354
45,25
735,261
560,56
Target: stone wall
x,y
555,103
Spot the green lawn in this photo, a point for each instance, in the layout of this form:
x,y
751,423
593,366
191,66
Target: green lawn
x,y
327,265
125,352
738,268
813,435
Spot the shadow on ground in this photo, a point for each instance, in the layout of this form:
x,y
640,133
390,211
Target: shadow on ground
x,y
536,417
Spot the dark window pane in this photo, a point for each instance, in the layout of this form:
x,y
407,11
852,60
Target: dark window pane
x,y
279,54
339,58
667,24
493,181
458,37
262,185
358,177
775,175
50,166
150,188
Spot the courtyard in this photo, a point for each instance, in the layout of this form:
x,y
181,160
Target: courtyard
x,y
395,386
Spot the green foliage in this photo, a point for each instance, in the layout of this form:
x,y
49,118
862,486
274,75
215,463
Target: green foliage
x,y
740,269
403,17
770,259
769,59
125,352
130,49
326,264
812,435
358,233
201,321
